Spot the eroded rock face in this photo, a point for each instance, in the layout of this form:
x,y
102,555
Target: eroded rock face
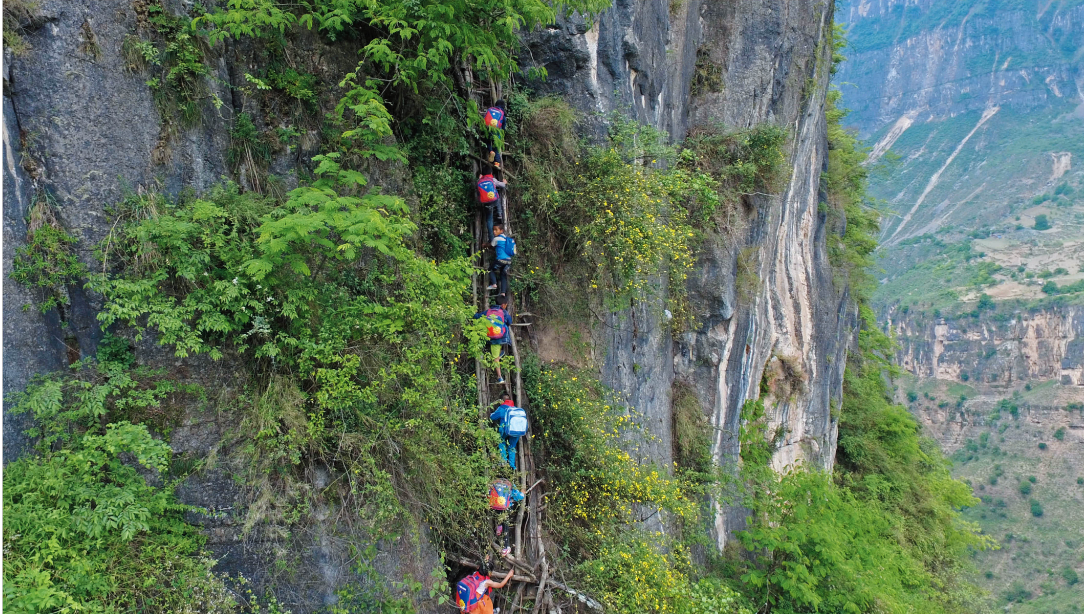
x,y
771,59
996,349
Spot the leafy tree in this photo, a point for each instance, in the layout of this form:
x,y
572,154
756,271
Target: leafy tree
x,y
1041,222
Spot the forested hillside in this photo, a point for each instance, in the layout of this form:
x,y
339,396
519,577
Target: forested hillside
x,y
245,353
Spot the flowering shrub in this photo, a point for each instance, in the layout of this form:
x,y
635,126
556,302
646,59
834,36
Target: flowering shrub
x,y
638,572
630,231
597,487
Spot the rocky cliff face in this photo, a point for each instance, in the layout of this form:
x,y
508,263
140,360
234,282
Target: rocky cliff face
x,y
771,60
999,350
81,127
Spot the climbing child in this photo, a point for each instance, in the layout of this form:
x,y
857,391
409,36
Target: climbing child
x,y
502,499
494,117
505,248
491,196
472,592
498,330
512,424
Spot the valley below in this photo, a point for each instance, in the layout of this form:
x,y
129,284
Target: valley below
x,y
973,115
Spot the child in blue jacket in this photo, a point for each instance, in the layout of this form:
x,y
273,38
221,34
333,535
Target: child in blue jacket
x,y
512,424
505,248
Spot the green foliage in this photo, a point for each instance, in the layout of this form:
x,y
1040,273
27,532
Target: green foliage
x,y
627,230
16,14
47,263
691,432
817,547
1036,508
707,75
375,594
756,447
742,162
623,222
1052,288
887,524
598,492
1041,222
83,530
636,573
366,335
99,391
595,485
444,210
245,267
297,85
412,47
1069,575
250,151
1059,434
174,56
1017,593
850,252
885,534
1025,489
621,218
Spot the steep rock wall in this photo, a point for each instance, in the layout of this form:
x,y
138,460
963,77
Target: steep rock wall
x,y
772,59
999,350
91,129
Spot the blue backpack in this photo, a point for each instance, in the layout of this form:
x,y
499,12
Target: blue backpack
x,y
515,422
506,248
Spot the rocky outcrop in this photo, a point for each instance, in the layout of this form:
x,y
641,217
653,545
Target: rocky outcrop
x,y
998,349
771,59
93,130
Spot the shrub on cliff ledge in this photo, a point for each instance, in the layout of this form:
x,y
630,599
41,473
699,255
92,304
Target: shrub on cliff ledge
x,y
47,263
83,528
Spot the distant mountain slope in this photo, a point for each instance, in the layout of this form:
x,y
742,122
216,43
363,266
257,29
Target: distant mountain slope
x,y
974,114
982,100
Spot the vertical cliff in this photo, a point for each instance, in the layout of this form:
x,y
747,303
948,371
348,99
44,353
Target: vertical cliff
x,y
1003,350
80,126
763,62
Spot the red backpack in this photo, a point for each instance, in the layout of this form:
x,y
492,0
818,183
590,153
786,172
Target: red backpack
x,y
466,590
487,189
500,495
496,328
494,117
